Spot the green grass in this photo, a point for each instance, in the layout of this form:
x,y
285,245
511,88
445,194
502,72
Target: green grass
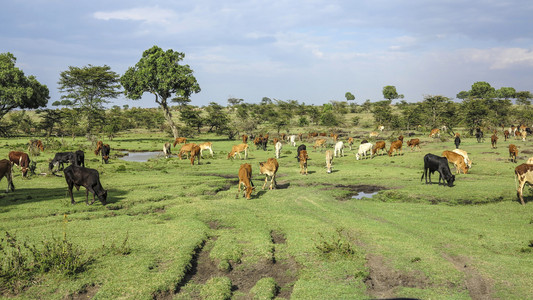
x,y
162,212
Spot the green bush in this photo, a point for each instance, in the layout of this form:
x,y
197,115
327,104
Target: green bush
x,y
337,244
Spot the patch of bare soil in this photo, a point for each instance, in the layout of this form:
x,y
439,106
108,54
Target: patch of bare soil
x,y
383,280
87,293
478,286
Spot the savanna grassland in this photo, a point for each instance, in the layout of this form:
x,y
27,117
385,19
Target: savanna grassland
x,y
175,231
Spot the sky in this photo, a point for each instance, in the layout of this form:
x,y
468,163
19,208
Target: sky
x,y
311,51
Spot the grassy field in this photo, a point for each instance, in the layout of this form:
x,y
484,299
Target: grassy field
x,y
175,231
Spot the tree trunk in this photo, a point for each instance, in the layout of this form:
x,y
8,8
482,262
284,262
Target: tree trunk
x,y
168,117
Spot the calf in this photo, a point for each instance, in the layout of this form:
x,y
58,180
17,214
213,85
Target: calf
x,y
457,160
457,141
278,149
207,146
20,159
414,143
245,179
513,152
435,133
89,178
350,142
195,152
434,163
320,143
303,161
379,146
269,168
464,154
329,161
237,149
396,147
62,158
79,158
180,140
300,148
524,174
493,141
166,150
5,170
187,148
363,149
339,149
506,135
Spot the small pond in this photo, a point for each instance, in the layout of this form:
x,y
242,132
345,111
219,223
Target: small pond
x,y
362,195
141,156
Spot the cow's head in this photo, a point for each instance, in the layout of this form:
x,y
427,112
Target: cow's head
x,y
24,172
103,197
230,155
450,180
248,191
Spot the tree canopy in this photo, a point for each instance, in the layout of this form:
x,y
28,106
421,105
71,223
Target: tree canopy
x,y
390,93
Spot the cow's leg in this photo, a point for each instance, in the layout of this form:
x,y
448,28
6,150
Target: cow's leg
x,y
70,186
266,179
246,153
238,190
87,196
520,191
273,182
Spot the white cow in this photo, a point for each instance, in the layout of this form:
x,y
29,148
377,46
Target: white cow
x,y
363,149
278,149
292,140
339,149
166,150
464,154
329,161
206,146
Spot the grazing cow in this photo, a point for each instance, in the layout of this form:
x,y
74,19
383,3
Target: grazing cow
x,y
493,141
434,133
513,152
506,135
524,134
524,174
434,163
206,146
339,149
292,140
245,179
379,146
36,144
320,143
350,142
479,135
180,140
363,149
166,150
457,141
20,159
414,143
195,152
62,158
396,147
187,148
244,139
237,149
457,160
80,158
99,146
105,153
303,161
5,170
464,154
373,134
89,178
278,147
300,148
269,168
381,128
329,161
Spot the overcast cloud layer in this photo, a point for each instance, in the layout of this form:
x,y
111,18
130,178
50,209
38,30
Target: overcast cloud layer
x,y
311,51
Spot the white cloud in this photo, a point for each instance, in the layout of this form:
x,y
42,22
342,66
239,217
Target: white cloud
x,y
152,15
501,58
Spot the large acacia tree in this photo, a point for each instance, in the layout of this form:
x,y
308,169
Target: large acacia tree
x,y
17,90
158,72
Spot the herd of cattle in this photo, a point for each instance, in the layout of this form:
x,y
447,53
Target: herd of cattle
x,y
77,174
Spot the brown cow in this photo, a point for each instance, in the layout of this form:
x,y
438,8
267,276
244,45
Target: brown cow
x,y
269,168
303,161
517,135
513,152
245,178
414,143
180,140
244,139
237,149
99,146
206,146
506,135
457,160
5,170
320,143
187,148
350,142
524,134
373,134
493,141
36,144
396,147
20,159
379,146
195,152
524,174
434,133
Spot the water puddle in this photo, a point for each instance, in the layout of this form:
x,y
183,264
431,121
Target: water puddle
x,y
141,156
362,195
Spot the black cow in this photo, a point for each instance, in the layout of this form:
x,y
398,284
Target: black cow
x,y
300,148
105,153
89,178
457,142
62,158
479,135
264,142
80,158
440,164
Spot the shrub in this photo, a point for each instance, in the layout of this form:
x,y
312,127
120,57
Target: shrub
x,y
335,245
